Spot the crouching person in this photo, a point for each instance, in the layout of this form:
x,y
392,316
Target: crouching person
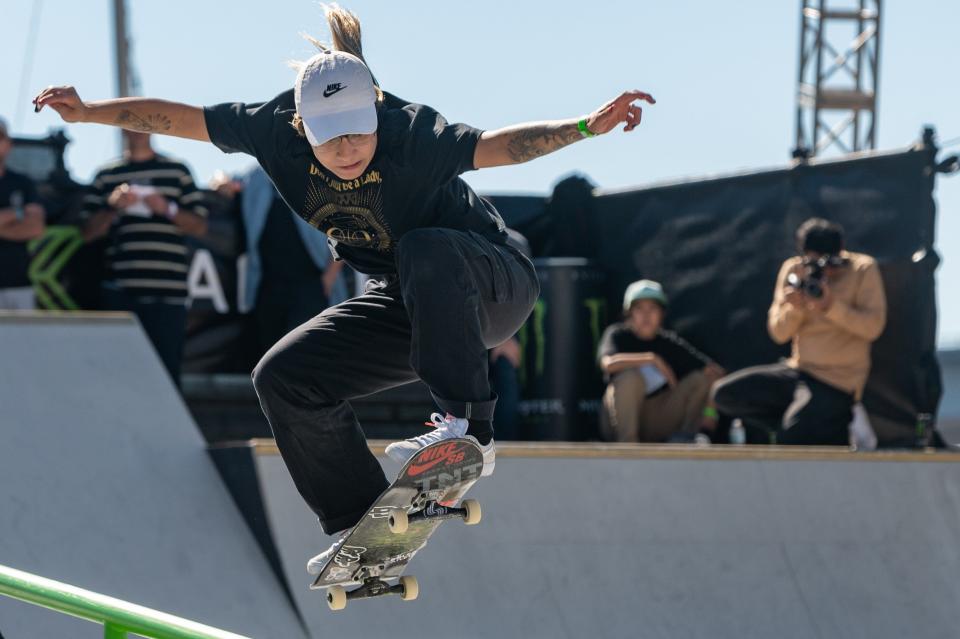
x,y
830,304
658,384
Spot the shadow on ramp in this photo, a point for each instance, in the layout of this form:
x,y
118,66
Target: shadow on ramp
x,y
105,483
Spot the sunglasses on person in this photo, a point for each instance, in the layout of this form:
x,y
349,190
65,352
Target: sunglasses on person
x,y
353,139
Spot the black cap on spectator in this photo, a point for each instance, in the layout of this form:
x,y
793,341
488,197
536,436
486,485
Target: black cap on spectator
x,y
818,235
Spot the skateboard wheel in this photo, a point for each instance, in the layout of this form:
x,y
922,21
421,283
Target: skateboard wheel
x,y
411,589
398,521
336,597
473,511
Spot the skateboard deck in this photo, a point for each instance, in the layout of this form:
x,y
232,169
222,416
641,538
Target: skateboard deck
x,y
401,521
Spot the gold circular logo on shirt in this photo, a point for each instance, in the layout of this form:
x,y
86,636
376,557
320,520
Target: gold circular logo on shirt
x,y
354,226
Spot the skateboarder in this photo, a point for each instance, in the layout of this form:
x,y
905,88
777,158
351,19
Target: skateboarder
x,y
379,176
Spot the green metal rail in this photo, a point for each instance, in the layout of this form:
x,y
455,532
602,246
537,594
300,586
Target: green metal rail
x,y
118,617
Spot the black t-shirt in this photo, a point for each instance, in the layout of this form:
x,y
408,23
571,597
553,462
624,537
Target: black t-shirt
x,y
675,351
16,191
412,181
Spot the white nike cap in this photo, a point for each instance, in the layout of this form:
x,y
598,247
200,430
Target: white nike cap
x,y
334,96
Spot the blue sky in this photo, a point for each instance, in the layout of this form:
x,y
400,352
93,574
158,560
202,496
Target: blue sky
x,y
724,75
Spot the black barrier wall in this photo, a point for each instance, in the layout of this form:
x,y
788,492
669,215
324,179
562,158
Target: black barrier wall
x,y
717,244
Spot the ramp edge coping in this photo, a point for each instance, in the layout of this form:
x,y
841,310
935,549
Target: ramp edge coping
x,y
594,450
66,317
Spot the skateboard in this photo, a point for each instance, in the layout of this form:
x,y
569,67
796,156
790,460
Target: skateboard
x,y
401,521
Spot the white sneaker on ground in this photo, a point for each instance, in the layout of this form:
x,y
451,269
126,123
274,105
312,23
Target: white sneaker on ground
x,y
448,427
315,565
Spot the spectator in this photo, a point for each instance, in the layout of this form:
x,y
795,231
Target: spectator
x,y
290,274
830,304
146,204
657,382
21,220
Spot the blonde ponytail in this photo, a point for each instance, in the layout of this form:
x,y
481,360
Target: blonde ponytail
x,y
344,28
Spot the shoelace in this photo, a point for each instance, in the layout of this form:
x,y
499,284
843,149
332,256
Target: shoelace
x,y
437,421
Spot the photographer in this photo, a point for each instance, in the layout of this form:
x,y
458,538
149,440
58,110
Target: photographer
x,y
830,303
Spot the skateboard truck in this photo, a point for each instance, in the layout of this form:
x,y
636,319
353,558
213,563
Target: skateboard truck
x,y
469,511
407,588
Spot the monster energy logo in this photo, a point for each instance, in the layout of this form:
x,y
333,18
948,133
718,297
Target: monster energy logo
x,y
50,254
534,330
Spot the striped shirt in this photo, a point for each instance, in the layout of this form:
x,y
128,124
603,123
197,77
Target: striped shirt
x,y
147,256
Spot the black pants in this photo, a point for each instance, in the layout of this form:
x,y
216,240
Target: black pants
x,y
282,306
165,325
794,406
455,295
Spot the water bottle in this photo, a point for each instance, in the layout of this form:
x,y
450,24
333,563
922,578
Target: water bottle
x,y
738,436
924,431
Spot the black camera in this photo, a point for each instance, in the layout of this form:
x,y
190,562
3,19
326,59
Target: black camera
x,y
811,283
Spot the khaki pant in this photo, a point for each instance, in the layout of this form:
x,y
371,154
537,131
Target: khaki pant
x,y
634,417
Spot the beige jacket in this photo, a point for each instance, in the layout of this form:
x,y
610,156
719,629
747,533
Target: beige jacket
x,y
834,346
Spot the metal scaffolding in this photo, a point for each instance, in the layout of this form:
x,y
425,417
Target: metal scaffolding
x,y
837,90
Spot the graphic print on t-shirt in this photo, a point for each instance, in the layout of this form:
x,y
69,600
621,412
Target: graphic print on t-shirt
x,y
348,211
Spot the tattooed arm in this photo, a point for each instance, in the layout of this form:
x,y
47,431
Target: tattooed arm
x,y
135,114
525,142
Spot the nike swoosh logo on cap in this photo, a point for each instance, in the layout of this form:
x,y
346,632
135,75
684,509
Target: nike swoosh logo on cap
x,y
332,89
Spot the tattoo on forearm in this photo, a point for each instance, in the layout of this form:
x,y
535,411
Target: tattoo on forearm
x,y
532,142
157,123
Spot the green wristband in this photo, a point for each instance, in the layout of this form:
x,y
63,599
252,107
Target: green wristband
x,y
584,131
711,412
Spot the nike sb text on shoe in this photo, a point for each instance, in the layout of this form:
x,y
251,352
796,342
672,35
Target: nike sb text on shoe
x,y
448,427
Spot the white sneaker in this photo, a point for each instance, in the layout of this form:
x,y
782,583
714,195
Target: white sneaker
x,y
448,427
489,456
315,565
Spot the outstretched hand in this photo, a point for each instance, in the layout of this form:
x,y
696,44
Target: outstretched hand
x,y
620,109
146,115
64,100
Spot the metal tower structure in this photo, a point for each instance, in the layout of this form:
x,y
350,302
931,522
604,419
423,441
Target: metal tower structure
x,y
127,81
121,44
837,87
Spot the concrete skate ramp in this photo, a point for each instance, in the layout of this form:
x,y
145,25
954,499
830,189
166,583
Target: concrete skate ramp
x,y
105,484
631,541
